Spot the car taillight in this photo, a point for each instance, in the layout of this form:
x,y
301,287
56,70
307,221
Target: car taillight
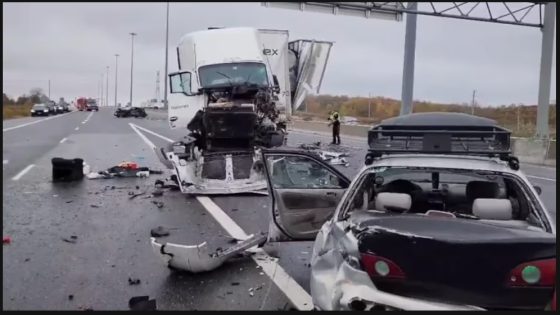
x,y
538,273
381,267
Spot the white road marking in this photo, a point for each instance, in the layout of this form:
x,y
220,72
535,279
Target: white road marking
x,y
153,133
293,291
87,118
543,178
77,128
25,170
31,123
148,142
5,161
62,141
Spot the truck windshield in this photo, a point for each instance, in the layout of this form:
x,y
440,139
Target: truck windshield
x,y
233,74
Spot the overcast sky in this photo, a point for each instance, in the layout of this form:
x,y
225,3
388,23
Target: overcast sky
x,y
72,43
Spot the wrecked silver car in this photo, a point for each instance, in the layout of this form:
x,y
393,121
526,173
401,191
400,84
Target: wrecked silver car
x,y
440,218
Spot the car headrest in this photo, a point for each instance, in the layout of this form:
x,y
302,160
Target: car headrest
x,y
482,189
393,201
492,209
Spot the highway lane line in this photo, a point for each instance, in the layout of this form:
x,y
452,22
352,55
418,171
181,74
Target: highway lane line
x,y
62,141
153,133
77,128
299,298
33,122
543,178
87,118
142,136
5,161
25,170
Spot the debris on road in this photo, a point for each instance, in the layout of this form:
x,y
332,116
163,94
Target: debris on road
x,y
124,169
132,281
334,157
71,297
94,206
235,283
157,193
6,240
133,195
159,204
198,258
142,303
72,239
67,170
160,231
69,201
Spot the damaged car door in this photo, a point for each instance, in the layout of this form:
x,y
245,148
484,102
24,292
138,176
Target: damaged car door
x,y
305,193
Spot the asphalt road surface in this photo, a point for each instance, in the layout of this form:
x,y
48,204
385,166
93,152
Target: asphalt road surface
x,y
75,245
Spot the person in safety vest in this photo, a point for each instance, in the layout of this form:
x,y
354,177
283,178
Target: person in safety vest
x,y
335,122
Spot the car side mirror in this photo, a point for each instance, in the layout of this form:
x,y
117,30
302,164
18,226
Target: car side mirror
x,y
538,189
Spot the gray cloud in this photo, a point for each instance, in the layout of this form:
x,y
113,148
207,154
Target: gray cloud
x,y
72,43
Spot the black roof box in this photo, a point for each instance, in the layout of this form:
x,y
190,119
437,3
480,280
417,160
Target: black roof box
x,y
439,133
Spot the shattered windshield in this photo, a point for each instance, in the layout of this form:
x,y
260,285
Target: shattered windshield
x,y
223,75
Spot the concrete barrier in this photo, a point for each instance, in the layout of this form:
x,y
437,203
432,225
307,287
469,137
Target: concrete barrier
x,y
527,150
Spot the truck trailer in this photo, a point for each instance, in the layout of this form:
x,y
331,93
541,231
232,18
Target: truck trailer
x,y
234,93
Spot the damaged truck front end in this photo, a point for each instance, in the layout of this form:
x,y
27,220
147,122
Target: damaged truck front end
x,y
235,101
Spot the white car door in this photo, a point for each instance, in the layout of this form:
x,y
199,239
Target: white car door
x,y
305,192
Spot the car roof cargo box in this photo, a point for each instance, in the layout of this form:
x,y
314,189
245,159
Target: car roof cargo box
x,y
439,133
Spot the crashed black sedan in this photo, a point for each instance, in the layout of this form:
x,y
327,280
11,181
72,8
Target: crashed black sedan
x,y
440,218
136,112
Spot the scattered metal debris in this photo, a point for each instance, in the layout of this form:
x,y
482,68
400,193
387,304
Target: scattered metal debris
x,y
198,258
159,204
132,281
72,239
160,231
142,303
135,195
94,206
69,201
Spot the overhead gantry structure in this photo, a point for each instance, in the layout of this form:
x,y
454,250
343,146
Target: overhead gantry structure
x,y
540,15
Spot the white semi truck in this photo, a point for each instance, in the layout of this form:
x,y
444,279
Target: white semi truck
x,y
234,92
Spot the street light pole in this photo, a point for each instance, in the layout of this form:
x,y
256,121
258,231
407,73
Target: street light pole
x,y
369,105
116,64
107,89
101,97
166,55
131,63
472,103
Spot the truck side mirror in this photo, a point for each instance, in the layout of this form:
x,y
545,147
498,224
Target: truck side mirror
x,y
276,87
180,82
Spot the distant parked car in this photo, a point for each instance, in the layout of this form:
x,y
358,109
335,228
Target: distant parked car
x,y
52,108
39,110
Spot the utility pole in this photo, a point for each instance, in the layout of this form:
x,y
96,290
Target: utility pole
x,y
369,105
131,63
107,89
166,56
101,98
518,117
472,103
116,64
409,55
